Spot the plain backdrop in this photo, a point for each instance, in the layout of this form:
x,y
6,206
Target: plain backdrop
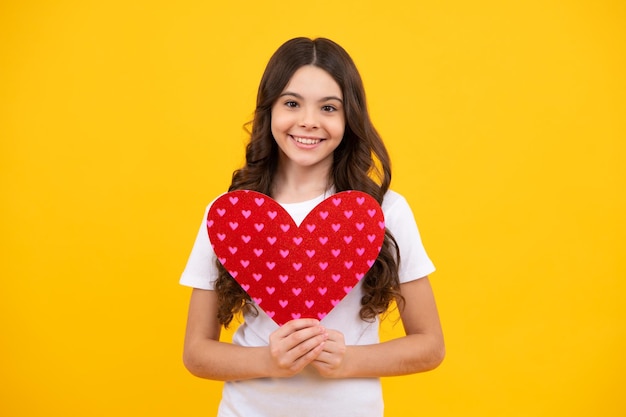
x,y
505,120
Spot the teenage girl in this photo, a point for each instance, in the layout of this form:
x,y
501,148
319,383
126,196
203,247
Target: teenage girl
x,y
312,137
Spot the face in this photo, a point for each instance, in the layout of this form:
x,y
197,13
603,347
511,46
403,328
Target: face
x,y
308,119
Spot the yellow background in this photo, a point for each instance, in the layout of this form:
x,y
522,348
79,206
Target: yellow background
x,y
121,120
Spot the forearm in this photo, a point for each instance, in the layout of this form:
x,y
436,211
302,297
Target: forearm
x,y
222,361
291,347
422,349
406,355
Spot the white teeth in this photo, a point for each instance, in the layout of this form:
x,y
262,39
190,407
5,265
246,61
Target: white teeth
x,y
306,141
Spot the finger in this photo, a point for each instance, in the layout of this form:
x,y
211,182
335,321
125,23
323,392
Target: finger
x,y
304,335
295,325
294,332
310,356
296,345
335,336
301,356
301,323
305,341
327,353
333,350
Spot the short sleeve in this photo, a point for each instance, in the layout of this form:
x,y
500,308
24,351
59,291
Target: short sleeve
x,y
201,271
399,220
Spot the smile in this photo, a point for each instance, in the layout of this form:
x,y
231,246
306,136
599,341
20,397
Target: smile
x,y
306,141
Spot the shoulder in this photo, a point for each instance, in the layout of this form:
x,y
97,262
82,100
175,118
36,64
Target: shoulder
x,y
208,206
394,203
398,213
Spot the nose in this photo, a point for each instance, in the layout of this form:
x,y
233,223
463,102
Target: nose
x,y
309,118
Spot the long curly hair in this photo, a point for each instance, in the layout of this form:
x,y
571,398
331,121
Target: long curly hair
x,y
360,162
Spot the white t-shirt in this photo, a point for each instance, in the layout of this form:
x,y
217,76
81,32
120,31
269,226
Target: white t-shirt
x,y
308,394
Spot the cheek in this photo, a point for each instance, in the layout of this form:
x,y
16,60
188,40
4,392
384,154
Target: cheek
x,y
278,122
274,124
339,128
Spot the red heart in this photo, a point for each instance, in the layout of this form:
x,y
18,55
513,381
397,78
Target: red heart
x,y
295,272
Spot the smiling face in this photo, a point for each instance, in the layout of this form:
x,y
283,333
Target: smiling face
x,y
308,120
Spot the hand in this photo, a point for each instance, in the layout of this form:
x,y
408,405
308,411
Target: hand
x,y
329,363
296,344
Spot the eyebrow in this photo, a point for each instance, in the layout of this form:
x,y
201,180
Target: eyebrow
x,y
296,95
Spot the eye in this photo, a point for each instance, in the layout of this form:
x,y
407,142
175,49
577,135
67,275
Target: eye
x,y
291,104
329,108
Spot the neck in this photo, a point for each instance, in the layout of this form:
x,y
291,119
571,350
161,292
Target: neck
x,y
296,184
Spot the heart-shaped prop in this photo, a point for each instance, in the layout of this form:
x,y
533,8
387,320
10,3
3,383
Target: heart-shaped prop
x,y
290,271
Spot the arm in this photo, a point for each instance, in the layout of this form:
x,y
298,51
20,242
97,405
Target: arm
x,y
291,347
422,348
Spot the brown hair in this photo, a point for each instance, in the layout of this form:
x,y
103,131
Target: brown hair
x,y
360,162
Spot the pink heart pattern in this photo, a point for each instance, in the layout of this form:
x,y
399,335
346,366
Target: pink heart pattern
x,y
295,271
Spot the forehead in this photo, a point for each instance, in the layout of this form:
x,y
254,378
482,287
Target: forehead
x,y
313,81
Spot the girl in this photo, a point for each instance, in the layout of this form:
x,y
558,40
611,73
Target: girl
x,y
312,137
